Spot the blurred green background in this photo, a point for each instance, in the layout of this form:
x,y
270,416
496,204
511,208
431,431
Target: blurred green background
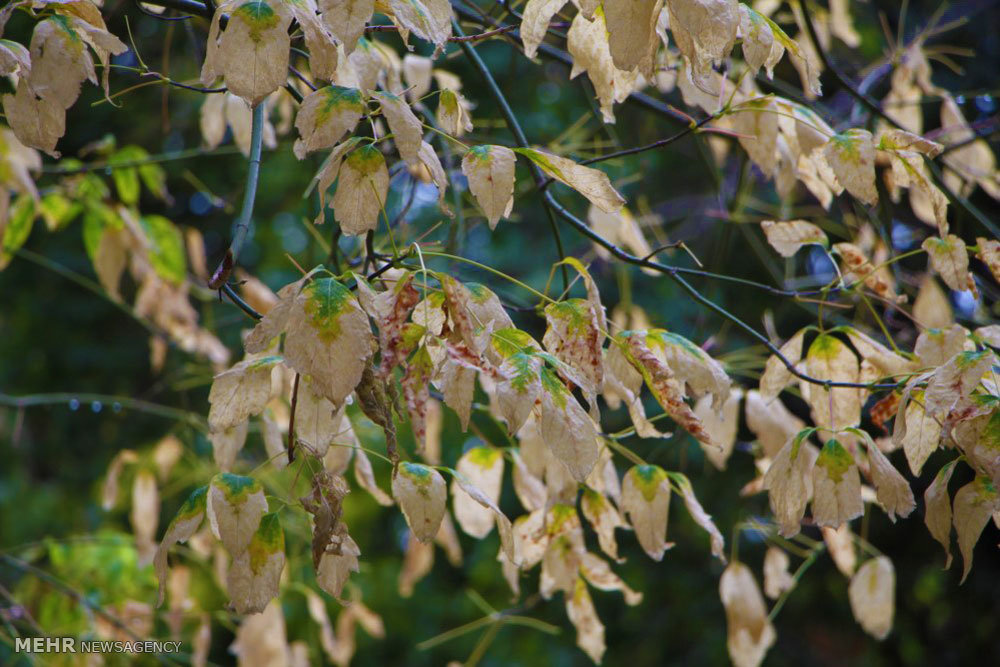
x,y
57,337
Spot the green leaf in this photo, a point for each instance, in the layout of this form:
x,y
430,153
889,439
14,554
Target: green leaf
x,y
167,252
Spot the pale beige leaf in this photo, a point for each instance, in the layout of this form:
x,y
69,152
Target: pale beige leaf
x,y
261,639
227,444
418,559
365,477
36,122
851,155
589,629
989,254
893,492
591,183
252,52
427,19
749,632
788,237
504,527
598,574
109,490
889,363
916,432
776,375
422,495
603,518
772,422
407,132
721,424
362,188
632,31
346,19
937,509
700,516
144,516
328,337
836,486
530,489
325,115
704,31
972,508
535,21
872,593
777,578
950,260
837,407
840,544
490,170
646,501
931,307
240,392
952,384
184,524
483,466
568,430
60,63
255,574
453,113
335,568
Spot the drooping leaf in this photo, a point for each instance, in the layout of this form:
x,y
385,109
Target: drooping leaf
x,y
872,593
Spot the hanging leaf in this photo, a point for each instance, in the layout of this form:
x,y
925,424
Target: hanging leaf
x,y
872,593
836,486
325,116
255,574
252,52
234,506
788,237
749,631
646,500
184,524
851,155
422,494
591,183
361,190
490,170
789,481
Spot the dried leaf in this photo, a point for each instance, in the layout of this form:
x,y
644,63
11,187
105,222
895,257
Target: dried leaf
x,y
750,633
973,506
422,495
254,575
851,155
937,509
777,578
950,260
788,237
483,466
836,486
325,116
240,392
589,629
591,183
362,188
872,593
646,500
490,170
